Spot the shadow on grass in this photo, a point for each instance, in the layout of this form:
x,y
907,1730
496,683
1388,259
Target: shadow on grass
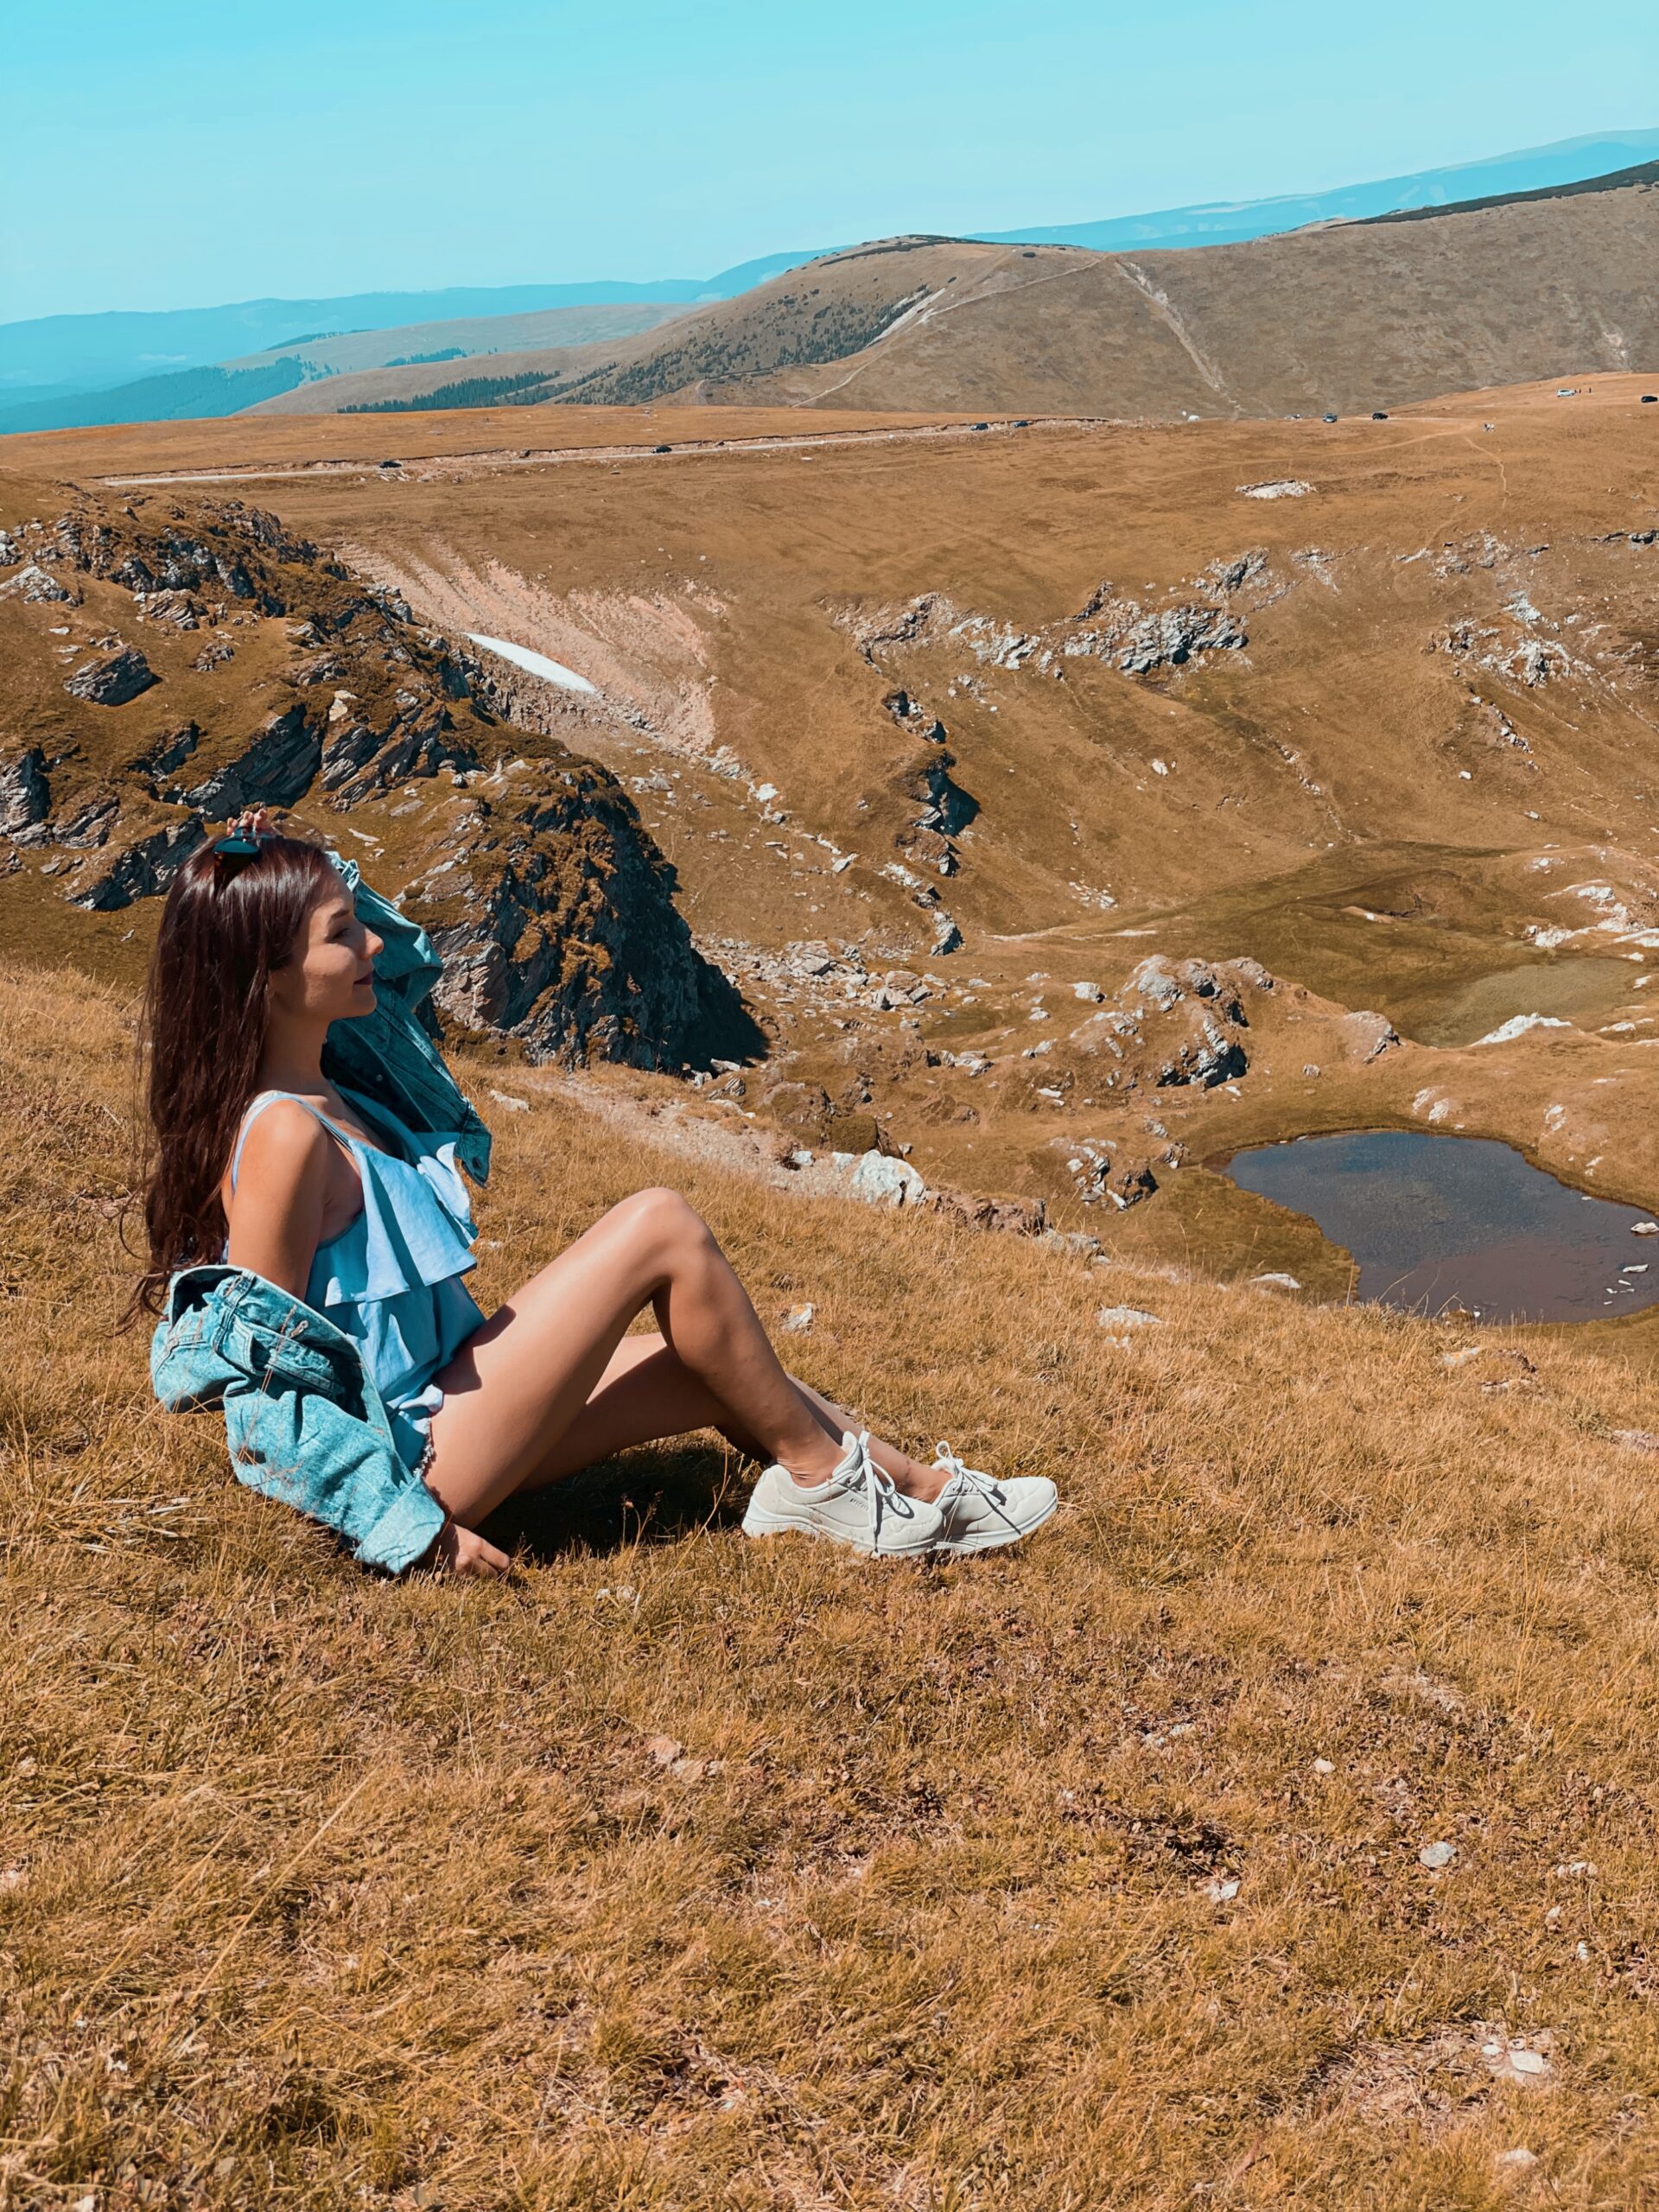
x,y
654,1495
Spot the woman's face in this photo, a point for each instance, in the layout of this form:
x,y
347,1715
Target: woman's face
x,y
330,977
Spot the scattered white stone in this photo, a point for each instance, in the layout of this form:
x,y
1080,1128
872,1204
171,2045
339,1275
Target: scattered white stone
x,y
1222,1890
1275,1280
1580,1870
1517,1025
1128,1316
838,866
1462,1357
1520,2160
1644,1229
1283,487
1323,1766
799,1319
1092,992
882,1181
513,1105
1437,1855
1634,1267
1520,2064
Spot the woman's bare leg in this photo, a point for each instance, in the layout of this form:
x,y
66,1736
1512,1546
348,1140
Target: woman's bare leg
x,y
648,1393
521,1382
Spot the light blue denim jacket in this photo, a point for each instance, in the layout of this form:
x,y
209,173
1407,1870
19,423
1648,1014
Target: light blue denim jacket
x,y
304,1422
302,1418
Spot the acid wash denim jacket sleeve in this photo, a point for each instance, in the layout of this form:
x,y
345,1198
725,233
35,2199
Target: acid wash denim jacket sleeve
x,y
303,1420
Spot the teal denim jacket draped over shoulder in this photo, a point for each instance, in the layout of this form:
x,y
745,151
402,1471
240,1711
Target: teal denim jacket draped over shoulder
x,y
302,1418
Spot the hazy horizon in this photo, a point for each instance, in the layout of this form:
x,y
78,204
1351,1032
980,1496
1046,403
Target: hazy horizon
x,y
383,148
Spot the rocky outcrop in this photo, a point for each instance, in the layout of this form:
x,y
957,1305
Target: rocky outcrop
x,y
556,924
25,796
141,868
275,770
1124,632
33,584
112,681
1102,1171
1179,1023
549,899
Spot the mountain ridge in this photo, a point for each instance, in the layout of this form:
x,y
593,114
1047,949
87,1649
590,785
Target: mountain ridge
x,y
50,359
1349,316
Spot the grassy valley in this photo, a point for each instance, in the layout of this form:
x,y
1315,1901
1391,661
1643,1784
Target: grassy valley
x,y
1071,803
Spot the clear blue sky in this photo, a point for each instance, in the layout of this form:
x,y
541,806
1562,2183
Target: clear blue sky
x,y
186,152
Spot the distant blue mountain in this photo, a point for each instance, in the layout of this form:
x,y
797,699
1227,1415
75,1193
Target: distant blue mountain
x,y
1224,223
183,396
57,355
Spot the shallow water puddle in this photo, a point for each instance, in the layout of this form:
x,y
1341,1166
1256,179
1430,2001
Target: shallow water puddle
x,y
1441,1222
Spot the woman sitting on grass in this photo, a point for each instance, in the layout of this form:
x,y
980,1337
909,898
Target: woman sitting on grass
x,y
265,1163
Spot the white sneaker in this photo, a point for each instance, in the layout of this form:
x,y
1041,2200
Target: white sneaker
x,y
980,1513
857,1505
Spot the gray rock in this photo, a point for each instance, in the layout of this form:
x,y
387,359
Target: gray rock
x,y
25,795
276,769
1434,1856
881,1180
34,585
1156,981
111,682
1170,638
1366,1035
169,752
90,821
1206,1057
1128,1316
141,870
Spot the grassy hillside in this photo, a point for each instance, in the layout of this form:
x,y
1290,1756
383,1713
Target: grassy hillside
x,y
1349,316
683,1872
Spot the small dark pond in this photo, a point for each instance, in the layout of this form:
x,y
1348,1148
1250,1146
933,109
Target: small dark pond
x,y
1440,1222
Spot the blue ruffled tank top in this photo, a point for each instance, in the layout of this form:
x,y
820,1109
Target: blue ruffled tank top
x,y
391,1280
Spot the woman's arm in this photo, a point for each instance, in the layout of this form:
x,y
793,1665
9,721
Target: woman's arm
x,y
276,1211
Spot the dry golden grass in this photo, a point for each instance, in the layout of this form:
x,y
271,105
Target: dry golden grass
x,y
319,1890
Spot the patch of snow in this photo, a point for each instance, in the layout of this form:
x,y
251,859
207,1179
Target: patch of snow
x,y
1517,1025
1284,487
534,664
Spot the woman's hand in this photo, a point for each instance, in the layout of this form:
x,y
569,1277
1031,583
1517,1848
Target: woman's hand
x,y
252,822
455,1550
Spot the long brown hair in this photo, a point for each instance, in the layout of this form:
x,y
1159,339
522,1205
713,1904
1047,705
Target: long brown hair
x,y
231,922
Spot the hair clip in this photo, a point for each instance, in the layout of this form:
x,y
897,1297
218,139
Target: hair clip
x,y
233,854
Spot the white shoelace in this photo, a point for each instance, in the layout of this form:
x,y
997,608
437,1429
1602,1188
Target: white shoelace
x,y
881,1495
974,1478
